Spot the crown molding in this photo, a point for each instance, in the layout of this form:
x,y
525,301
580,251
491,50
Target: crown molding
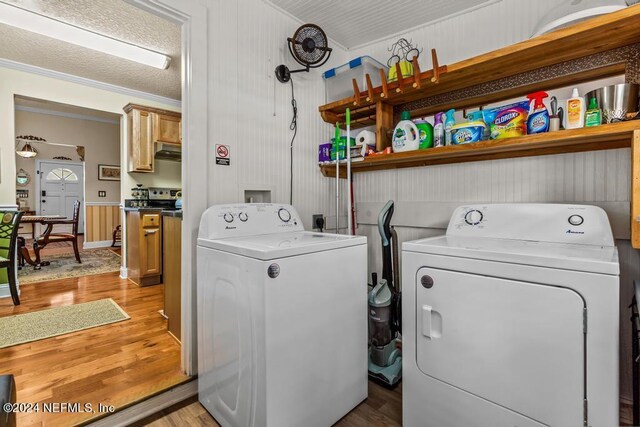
x,y
6,63
66,114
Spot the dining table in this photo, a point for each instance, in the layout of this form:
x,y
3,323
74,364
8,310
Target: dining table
x,y
35,219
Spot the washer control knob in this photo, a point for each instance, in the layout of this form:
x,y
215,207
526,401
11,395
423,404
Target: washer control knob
x,y
473,217
284,215
575,220
243,217
228,217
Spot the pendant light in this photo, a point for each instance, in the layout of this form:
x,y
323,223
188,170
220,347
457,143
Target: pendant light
x,y
27,150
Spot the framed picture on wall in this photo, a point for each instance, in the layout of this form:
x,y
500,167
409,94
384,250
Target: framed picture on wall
x,y
108,173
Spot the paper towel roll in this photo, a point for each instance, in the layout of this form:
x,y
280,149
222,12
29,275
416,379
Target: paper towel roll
x,y
366,137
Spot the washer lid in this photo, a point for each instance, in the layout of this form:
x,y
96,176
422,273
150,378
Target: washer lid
x,y
587,258
282,245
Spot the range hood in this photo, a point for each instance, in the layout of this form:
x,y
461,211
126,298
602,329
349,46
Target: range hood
x,y
571,12
165,151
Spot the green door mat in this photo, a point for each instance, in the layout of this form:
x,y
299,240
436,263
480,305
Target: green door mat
x,y
52,322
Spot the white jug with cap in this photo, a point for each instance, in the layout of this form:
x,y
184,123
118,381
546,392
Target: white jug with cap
x,y
405,136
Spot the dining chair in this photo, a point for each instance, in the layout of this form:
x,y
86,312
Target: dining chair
x,y
7,396
50,237
9,221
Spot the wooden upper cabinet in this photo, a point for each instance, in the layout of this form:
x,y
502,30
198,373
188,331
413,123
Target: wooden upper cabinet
x,y
167,128
148,126
140,141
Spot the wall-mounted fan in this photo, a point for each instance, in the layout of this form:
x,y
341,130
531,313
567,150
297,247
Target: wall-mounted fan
x,y
309,48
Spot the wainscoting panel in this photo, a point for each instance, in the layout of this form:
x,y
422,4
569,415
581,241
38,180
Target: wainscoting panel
x,y
100,221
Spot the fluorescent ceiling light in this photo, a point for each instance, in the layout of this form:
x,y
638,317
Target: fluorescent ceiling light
x,y
36,23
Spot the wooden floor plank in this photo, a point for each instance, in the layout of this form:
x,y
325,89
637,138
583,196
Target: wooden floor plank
x,y
114,364
383,408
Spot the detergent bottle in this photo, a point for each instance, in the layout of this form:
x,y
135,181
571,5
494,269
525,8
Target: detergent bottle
x,y
449,122
405,135
438,131
538,121
425,130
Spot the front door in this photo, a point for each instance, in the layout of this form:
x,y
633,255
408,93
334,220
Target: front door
x,y
61,184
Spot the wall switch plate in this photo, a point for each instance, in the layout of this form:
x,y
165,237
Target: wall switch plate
x,y
313,221
102,194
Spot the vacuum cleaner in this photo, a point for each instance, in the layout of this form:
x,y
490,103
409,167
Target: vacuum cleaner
x,y
385,316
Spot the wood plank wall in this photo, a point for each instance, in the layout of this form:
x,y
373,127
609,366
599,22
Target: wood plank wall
x,y
100,222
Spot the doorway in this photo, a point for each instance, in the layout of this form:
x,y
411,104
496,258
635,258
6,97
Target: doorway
x,y
192,19
58,186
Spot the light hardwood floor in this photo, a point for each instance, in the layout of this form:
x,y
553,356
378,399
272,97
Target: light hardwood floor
x,y
383,408
115,364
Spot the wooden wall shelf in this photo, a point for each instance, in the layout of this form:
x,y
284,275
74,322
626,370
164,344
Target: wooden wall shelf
x,y
593,36
615,135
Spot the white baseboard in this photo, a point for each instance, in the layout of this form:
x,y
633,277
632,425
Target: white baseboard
x,y
4,290
98,244
149,407
124,273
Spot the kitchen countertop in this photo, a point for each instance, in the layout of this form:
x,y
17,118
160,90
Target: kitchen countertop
x,y
172,213
142,209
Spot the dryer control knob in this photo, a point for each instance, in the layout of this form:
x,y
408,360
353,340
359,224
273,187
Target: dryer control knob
x,y
575,220
284,215
228,217
243,216
473,217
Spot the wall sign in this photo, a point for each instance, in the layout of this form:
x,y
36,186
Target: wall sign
x,y
222,155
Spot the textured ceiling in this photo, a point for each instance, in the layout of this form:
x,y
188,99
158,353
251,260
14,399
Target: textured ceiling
x,y
66,109
355,22
113,18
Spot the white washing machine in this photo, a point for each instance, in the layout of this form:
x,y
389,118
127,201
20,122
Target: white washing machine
x,y
511,319
282,325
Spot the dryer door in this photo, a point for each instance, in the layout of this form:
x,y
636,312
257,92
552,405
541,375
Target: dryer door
x,y
516,344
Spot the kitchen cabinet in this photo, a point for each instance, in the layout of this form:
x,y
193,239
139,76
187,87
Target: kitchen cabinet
x,y
146,127
144,247
167,128
171,274
140,141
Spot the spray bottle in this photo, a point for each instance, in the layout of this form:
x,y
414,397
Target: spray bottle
x,y
449,122
438,131
538,121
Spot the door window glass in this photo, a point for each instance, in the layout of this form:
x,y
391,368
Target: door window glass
x,y
62,174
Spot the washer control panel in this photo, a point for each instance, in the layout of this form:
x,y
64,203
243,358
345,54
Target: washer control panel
x,y
245,219
535,222
473,217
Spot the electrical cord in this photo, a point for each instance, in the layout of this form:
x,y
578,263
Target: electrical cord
x,y
294,127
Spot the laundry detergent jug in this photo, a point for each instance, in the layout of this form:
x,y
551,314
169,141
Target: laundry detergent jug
x,y
405,135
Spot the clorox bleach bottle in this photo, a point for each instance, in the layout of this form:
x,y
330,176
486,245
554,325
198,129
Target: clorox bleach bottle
x,y
405,135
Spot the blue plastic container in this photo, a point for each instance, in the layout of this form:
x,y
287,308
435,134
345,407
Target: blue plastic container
x,y
337,81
